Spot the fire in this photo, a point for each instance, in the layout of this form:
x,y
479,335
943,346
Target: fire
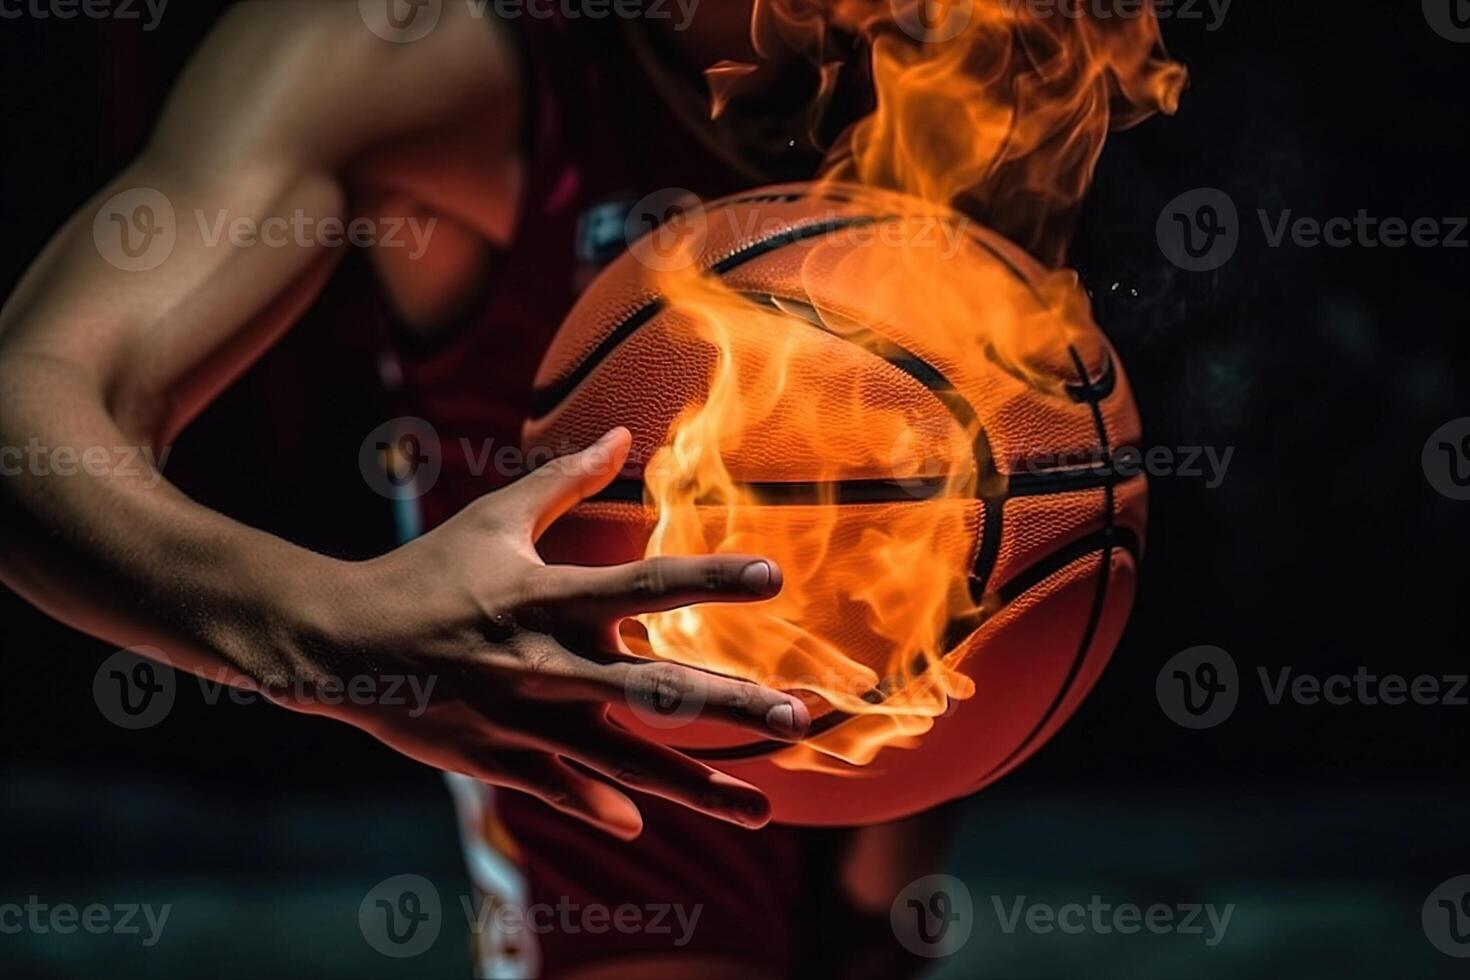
x,y
1002,119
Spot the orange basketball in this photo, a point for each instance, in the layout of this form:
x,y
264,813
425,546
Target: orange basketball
x,y
919,423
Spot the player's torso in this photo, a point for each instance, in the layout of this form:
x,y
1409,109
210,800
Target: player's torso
x,y
502,220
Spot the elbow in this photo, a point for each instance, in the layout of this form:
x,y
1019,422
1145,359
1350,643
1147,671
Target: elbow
x,y
39,391
142,414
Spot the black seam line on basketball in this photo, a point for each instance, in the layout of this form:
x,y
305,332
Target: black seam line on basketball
x,y
1099,542
773,493
1037,482
1029,484
992,526
1100,591
1107,380
989,484
789,197
778,494
1034,574
543,400
869,340
876,696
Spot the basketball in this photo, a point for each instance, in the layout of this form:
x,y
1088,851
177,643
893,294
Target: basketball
x,y
919,423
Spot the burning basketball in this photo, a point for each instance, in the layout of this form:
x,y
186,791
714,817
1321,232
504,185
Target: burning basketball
x,y
918,422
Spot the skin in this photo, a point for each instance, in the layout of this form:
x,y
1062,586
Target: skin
x,y
92,355
339,123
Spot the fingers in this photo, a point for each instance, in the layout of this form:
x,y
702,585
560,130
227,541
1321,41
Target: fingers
x,y
557,784
658,584
646,766
662,690
673,691
545,494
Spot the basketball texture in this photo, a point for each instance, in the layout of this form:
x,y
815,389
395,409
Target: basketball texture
x,y
875,410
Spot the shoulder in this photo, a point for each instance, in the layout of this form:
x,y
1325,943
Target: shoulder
x,y
323,80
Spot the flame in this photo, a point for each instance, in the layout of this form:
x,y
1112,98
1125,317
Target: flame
x,y
1002,121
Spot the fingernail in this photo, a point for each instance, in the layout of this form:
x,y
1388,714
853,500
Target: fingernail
x,y
750,813
627,832
782,720
736,801
756,577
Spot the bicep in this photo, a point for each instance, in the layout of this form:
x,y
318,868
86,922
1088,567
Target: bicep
x,y
174,277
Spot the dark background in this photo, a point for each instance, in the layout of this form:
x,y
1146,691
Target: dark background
x,y
1325,548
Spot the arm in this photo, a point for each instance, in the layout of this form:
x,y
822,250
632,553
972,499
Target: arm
x,y
275,104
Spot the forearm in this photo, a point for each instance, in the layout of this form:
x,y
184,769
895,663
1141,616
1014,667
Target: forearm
x,y
96,537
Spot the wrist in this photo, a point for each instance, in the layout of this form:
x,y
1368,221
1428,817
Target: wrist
x,y
285,623
338,619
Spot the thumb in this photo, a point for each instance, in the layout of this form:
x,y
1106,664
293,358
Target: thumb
x,y
551,490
